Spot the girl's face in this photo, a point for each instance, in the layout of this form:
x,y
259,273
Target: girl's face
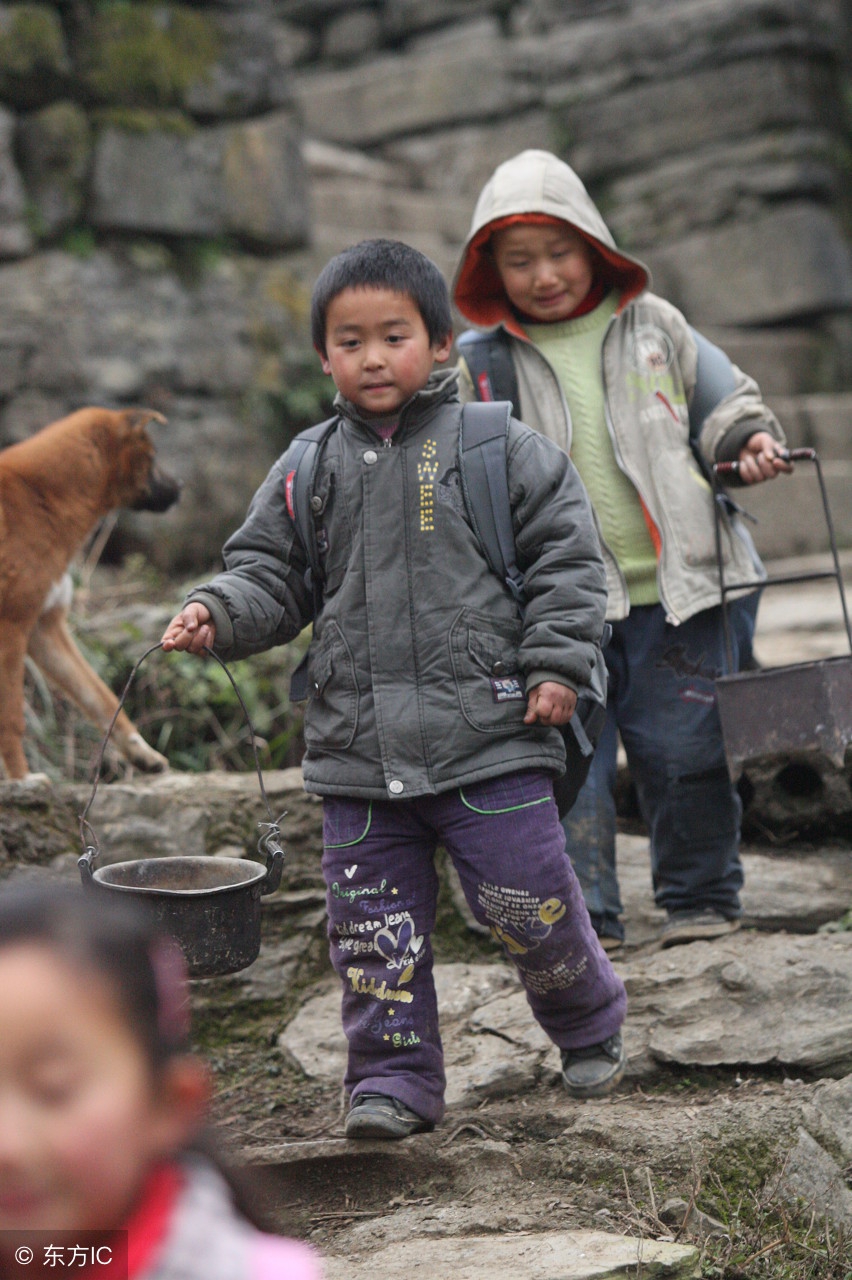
x,y
546,271
82,1117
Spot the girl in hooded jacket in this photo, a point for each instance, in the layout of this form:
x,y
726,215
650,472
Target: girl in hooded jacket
x,y
644,406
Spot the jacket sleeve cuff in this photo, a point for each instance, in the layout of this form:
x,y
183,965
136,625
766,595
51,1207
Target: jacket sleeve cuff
x,y
536,678
219,616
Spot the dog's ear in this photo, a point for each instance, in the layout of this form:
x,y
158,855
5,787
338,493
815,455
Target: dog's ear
x,y
141,417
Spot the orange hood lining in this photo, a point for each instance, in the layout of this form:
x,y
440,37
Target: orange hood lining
x,y
479,293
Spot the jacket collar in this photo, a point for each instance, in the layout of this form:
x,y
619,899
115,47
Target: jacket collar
x,y
441,389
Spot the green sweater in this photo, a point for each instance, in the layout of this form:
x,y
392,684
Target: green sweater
x,y
573,348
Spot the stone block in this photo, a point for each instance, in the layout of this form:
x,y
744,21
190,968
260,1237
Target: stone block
x,y
361,207
55,146
15,238
251,71
783,264
718,182
467,79
676,115
784,362
246,180
462,160
34,65
264,184
403,18
789,511
351,35
822,422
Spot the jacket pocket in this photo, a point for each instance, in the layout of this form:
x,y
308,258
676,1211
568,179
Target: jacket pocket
x,y
331,716
489,683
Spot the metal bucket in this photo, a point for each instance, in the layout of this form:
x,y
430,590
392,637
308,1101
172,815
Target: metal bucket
x,y
210,905
799,711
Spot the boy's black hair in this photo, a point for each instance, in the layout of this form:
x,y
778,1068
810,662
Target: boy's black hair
x,y
383,264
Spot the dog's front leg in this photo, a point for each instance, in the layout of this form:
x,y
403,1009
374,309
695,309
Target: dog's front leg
x,y
54,651
13,645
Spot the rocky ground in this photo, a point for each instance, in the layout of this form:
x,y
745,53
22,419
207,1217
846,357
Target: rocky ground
x,y
725,1152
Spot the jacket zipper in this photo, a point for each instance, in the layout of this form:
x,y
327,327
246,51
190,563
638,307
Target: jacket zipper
x,y
619,458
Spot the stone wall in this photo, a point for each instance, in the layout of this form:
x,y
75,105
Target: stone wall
x,y
173,175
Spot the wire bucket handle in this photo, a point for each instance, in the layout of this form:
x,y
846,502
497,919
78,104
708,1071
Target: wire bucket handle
x,y
720,498
268,845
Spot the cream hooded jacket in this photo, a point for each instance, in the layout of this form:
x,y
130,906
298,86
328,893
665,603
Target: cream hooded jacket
x,y
649,361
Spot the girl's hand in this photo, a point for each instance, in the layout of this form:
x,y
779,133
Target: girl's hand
x,y
191,629
550,703
761,459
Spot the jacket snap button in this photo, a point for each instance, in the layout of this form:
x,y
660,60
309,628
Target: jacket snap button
x,y
396,787
371,456
316,503
498,668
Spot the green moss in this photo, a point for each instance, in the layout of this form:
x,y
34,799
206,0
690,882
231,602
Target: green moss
x,y
80,242
143,120
148,55
32,54
31,39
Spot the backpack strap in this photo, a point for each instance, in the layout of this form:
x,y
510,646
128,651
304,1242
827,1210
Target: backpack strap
x,y
488,357
485,485
303,459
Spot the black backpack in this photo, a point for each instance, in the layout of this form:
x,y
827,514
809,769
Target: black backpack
x,y
485,486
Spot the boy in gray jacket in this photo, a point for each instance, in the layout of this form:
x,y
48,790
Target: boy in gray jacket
x,y
433,706
615,375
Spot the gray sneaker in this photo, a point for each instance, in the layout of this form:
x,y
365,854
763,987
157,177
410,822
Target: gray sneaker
x,y
374,1115
594,1071
691,926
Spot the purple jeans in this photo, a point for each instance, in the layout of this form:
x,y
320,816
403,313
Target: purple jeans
x,y
505,840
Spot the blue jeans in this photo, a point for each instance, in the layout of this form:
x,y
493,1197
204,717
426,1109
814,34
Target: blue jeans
x,y
663,703
504,838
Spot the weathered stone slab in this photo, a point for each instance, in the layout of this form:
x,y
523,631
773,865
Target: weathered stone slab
x,y
55,147
251,71
752,999
361,207
829,1116
785,362
789,511
34,61
717,182
679,114
780,265
478,1063
821,422
245,180
15,238
461,160
812,1179
549,1255
466,79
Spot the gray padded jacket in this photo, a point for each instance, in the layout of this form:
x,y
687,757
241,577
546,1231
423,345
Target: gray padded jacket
x,y
419,661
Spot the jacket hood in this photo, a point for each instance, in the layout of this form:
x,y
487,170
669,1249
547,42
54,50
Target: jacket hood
x,y
539,186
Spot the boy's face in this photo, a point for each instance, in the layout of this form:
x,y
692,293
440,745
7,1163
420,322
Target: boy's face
x,y
546,271
378,349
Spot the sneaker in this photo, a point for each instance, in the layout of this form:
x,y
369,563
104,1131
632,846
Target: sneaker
x,y
374,1115
690,926
594,1071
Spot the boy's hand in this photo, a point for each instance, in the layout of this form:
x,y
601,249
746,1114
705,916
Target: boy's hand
x,y
550,703
191,629
761,459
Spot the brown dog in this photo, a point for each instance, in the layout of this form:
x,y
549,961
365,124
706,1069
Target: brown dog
x,y
54,488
